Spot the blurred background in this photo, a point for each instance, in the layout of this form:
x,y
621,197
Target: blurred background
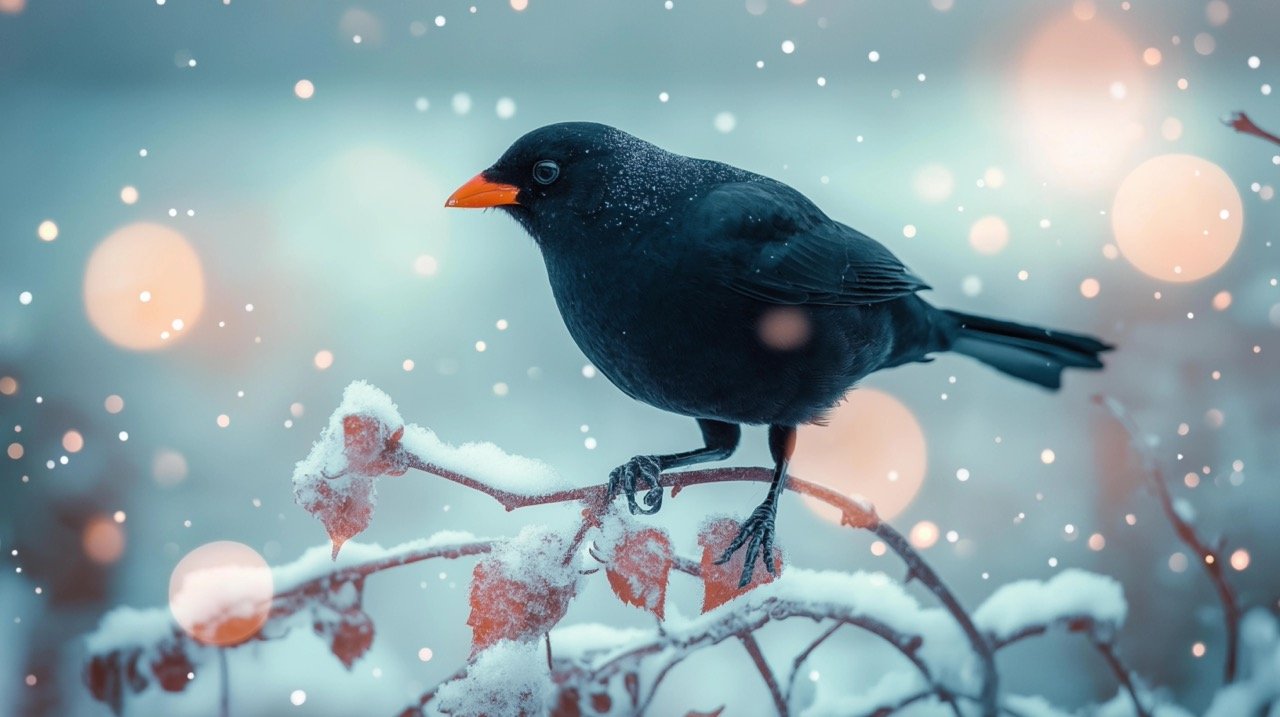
x,y
214,214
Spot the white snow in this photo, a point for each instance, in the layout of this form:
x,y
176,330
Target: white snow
x,y
576,642
484,462
509,678
892,688
1070,593
315,561
126,627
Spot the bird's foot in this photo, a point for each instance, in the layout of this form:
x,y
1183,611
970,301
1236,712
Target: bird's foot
x,y
637,473
757,534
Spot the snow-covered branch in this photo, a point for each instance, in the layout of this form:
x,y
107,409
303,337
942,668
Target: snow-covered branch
x,y
524,661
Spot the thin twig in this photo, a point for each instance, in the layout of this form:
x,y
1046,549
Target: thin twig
x,y
224,698
918,569
1100,636
799,660
854,514
753,649
1210,557
1241,123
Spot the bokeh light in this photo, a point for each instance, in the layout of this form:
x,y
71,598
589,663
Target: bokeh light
x,y
113,404
872,446
12,7
72,442
1090,288
323,359
304,89
168,467
8,385
924,534
143,258
1081,90
47,231
784,328
129,194
934,183
989,235
220,593
103,540
1177,217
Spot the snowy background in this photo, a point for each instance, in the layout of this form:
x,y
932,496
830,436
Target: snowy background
x,y
302,152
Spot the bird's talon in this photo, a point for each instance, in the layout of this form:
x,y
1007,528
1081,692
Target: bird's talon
x,y
630,477
757,534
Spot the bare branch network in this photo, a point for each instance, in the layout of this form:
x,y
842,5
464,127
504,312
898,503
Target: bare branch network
x,y
524,662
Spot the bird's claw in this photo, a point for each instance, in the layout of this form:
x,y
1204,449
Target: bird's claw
x,y
629,478
757,534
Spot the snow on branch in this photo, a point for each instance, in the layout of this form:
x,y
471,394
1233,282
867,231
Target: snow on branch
x,y
524,661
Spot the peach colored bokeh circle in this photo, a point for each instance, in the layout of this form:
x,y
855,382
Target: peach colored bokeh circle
x,y
220,593
1177,217
872,446
140,284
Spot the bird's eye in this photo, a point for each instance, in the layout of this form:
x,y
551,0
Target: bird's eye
x,y
546,171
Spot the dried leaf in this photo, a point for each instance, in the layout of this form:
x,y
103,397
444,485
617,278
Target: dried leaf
x,y
371,446
344,504
640,568
721,581
520,591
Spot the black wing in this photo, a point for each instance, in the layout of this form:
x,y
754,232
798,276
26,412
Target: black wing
x,y
799,255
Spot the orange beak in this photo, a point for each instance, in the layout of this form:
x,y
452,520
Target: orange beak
x,y
480,192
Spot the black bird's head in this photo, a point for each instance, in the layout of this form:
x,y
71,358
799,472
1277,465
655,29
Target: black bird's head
x,y
574,178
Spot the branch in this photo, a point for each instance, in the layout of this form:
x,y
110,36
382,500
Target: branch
x,y
800,659
1210,557
1100,636
1241,123
918,569
375,441
753,649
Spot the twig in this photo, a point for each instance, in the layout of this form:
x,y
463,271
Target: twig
x,y
1101,639
753,649
918,569
799,661
1210,557
1241,123
855,514
224,700
738,624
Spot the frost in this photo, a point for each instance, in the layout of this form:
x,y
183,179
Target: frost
x,y
509,678
1069,594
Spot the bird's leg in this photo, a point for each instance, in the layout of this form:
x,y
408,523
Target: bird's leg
x,y
720,439
757,531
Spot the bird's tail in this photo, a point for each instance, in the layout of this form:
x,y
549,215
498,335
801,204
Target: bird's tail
x,y
1026,352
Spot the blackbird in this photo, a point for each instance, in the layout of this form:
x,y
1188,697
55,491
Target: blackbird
x,y
723,295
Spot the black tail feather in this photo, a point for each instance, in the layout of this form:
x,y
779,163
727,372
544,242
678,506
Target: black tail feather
x,y
1026,352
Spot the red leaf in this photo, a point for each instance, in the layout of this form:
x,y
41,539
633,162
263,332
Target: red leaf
x,y
721,581
521,591
351,637
343,504
713,713
372,447
640,567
